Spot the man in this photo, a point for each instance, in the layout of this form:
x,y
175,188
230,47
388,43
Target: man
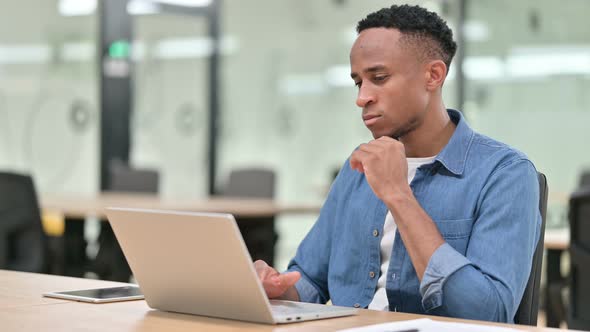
x,y
430,217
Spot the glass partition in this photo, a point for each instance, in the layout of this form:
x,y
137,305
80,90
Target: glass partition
x,y
48,95
528,71
170,101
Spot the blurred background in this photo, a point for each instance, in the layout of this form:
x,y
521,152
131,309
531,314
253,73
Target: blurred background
x,y
196,89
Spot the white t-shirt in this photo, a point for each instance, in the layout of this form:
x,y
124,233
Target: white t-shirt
x,y
380,301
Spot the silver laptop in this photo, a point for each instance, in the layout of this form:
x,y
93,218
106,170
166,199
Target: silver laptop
x,y
197,263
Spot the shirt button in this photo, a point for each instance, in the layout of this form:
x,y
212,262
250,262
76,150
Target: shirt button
x,y
356,305
375,233
372,274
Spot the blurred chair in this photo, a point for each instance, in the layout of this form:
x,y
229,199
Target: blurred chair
x,y
124,178
585,179
555,306
579,250
22,241
528,309
110,262
258,233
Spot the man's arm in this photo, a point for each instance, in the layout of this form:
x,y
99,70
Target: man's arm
x,y
307,276
383,161
489,281
313,254
482,284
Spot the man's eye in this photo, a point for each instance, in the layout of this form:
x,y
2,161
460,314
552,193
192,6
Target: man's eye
x,y
358,84
380,78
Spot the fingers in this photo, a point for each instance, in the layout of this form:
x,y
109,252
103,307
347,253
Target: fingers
x,y
356,161
289,279
263,270
275,284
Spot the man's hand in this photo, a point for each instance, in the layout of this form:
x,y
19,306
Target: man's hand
x,y
277,285
385,166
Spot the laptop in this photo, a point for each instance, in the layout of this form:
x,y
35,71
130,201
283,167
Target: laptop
x,y
197,263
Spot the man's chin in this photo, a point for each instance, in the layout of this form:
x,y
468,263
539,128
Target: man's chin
x,y
380,133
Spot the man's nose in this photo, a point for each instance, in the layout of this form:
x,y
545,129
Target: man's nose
x,y
364,97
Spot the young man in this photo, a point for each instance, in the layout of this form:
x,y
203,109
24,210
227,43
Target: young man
x,y
430,217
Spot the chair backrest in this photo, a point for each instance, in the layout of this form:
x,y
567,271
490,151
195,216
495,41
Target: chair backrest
x,y
22,241
251,182
125,178
579,293
529,305
585,179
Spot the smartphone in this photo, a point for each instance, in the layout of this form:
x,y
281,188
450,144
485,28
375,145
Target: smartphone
x,y
100,295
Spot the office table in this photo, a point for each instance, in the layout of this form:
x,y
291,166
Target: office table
x,y
75,208
82,206
23,309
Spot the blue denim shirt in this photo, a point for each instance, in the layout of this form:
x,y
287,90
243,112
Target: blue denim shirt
x,y
484,198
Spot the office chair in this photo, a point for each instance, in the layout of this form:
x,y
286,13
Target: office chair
x,y
259,233
556,283
585,179
579,250
22,241
124,178
110,262
529,305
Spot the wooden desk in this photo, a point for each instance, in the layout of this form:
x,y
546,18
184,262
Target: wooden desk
x,y
19,289
44,314
79,206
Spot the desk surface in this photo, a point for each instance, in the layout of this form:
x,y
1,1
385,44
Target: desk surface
x,y
557,239
23,309
80,206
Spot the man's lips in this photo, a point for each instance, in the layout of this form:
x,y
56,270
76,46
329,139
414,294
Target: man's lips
x,y
371,119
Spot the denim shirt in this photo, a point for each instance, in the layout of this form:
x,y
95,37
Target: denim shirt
x,y
484,198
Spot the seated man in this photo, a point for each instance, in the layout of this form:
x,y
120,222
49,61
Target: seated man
x,y
429,217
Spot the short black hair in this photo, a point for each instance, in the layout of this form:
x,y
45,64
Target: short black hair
x,y
422,29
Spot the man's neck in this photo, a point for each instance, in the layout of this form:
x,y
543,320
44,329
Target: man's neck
x,y
432,136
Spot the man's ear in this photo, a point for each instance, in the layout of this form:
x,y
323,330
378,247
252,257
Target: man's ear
x,y
436,72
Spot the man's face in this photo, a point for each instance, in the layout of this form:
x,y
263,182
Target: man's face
x,y
391,83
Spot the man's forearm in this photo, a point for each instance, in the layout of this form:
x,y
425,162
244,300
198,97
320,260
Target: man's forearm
x,y
417,230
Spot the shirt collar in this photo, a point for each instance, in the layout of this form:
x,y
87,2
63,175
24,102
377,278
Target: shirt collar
x,y
454,154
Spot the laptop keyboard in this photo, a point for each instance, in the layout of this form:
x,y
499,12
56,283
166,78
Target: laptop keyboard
x,y
290,308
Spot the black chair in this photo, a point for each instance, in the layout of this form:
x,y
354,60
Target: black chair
x,y
585,179
124,178
259,233
110,262
579,250
528,309
555,305
22,241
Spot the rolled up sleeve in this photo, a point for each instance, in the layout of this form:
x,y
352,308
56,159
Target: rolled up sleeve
x,y
443,263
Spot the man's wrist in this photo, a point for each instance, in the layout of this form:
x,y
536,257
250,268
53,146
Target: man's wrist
x,y
398,198
290,294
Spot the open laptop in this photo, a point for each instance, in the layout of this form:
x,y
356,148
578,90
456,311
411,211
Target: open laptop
x,y
197,263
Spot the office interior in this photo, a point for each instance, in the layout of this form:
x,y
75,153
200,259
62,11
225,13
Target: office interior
x,y
216,86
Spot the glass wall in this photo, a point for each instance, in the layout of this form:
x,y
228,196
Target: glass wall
x,y
48,95
528,70
170,102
